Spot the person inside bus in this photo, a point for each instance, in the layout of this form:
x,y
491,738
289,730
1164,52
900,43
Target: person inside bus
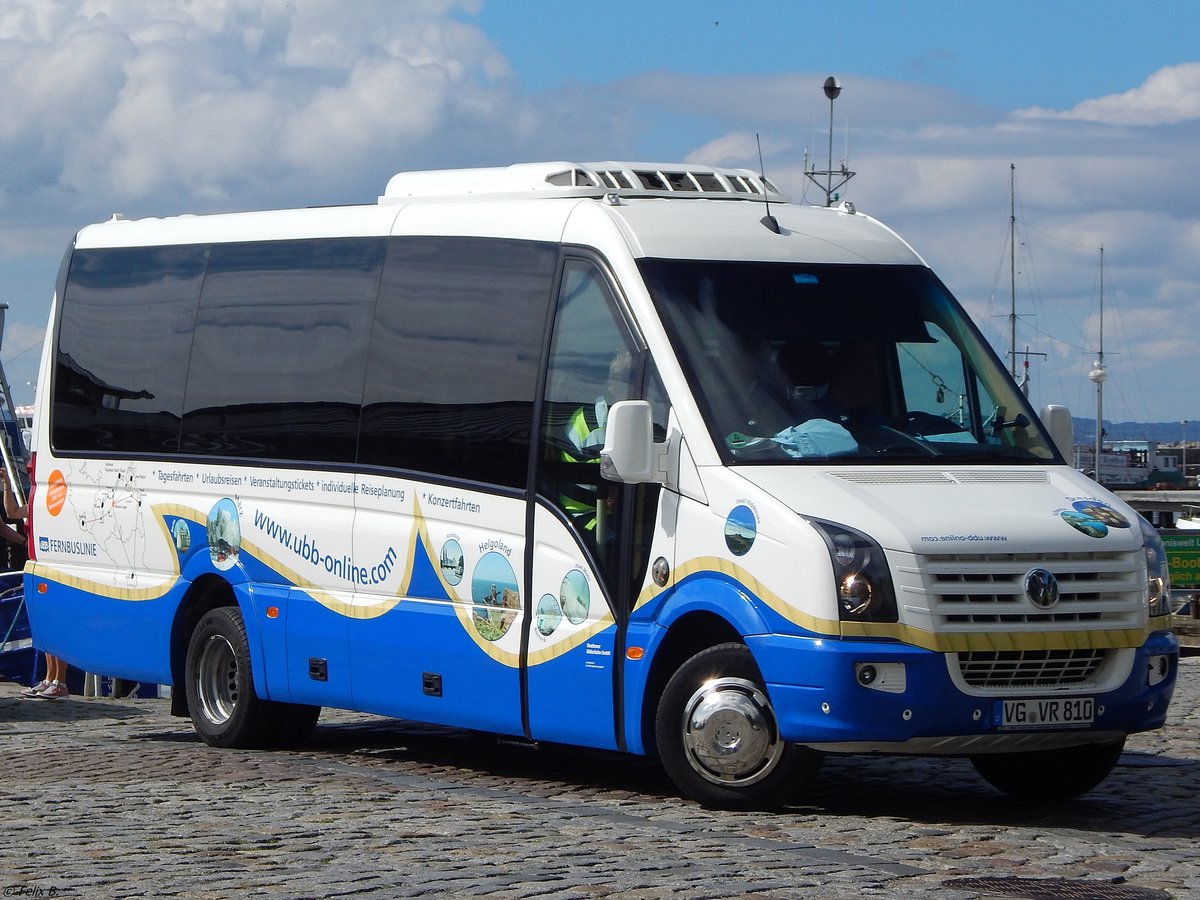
x,y
805,369
592,505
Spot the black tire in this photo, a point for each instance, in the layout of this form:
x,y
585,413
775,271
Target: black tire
x,y
225,710
718,738
1050,775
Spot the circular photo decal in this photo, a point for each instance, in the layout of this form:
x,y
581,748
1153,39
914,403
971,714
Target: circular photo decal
x,y
549,614
741,528
497,599
181,534
452,561
224,534
1101,512
575,596
1085,523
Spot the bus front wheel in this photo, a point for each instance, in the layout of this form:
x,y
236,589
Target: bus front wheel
x,y
1049,774
718,738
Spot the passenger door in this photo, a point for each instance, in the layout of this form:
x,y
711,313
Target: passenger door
x,y
590,537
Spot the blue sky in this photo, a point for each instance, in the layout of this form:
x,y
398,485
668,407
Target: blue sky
x,y
1010,54
154,108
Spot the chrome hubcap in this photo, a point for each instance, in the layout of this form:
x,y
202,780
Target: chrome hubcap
x,y
729,732
217,680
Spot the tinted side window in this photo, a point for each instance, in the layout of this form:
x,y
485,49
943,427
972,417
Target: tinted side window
x,y
279,352
125,329
454,357
592,365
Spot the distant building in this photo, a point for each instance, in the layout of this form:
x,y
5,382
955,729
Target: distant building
x,y
1128,465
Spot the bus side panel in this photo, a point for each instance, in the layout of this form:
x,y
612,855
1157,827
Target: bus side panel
x,y
437,617
418,662
571,696
106,583
101,634
317,655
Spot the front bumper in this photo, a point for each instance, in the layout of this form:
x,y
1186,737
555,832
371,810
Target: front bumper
x,y
814,687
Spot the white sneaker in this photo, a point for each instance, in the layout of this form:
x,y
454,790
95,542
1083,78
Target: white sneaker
x,y
56,690
33,691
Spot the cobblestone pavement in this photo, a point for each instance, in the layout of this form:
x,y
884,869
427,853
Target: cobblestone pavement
x,y
104,798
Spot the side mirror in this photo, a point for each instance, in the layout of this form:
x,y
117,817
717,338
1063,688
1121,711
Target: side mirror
x,y
628,452
1057,420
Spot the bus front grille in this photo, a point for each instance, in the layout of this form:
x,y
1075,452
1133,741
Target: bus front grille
x,y
987,592
1030,668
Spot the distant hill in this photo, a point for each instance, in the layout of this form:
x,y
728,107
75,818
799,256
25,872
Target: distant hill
x,y
1162,432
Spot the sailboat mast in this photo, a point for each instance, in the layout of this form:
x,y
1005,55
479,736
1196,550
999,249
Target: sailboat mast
x,y
1012,267
1098,374
1101,304
1100,364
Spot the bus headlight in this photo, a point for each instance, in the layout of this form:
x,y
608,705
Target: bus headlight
x,y
1158,581
863,582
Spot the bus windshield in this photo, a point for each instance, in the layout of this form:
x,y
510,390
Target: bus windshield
x,y
799,363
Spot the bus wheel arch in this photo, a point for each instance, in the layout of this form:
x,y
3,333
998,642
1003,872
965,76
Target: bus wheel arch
x,y
718,738
206,593
687,636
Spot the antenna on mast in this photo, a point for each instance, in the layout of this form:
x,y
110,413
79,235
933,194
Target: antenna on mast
x,y
832,88
1025,379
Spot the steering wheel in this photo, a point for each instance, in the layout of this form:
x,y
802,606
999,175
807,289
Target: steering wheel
x,y
900,442
918,421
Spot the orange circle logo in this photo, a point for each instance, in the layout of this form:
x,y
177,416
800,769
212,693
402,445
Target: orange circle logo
x,y
56,492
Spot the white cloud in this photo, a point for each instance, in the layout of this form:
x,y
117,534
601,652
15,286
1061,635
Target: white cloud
x,y
1168,97
215,99
736,148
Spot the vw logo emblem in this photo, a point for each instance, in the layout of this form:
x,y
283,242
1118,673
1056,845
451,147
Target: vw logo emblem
x,y
1041,587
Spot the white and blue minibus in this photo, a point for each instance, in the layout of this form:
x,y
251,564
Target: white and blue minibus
x,y
625,456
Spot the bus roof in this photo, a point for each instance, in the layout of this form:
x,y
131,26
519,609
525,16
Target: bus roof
x,y
653,205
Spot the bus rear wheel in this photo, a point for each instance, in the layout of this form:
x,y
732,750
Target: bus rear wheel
x,y
1049,774
225,710
718,738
